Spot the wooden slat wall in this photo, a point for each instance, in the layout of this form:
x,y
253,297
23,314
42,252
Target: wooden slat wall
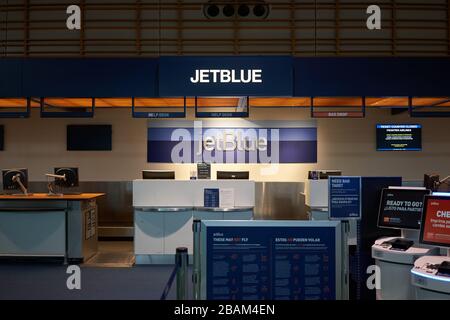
x,y
177,27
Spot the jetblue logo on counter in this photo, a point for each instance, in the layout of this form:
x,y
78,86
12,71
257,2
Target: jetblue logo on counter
x,y
259,142
227,76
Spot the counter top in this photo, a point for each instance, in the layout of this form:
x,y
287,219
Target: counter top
x,y
45,196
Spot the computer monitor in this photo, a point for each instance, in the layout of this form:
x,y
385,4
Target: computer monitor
x,y
70,180
158,174
235,175
431,181
435,229
323,174
15,179
401,208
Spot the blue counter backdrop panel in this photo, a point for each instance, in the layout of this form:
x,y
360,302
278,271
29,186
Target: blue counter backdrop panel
x,y
271,260
372,77
90,77
226,76
182,145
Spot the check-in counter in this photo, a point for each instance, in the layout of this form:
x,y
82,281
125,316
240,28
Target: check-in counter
x,y
42,225
165,209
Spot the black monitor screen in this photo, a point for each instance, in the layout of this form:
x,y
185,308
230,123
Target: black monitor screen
x,y
11,178
399,137
156,174
71,177
401,208
2,138
89,138
243,175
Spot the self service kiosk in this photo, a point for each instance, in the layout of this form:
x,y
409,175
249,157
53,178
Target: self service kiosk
x,y
431,274
400,208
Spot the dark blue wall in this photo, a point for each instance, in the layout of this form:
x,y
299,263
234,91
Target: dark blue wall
x,y
372,77
79,77
126,77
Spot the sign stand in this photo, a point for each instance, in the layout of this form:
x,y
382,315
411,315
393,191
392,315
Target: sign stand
x,y
196,272
345,205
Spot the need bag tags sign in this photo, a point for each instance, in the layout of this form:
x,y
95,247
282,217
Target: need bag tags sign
x,y
344,198
225,76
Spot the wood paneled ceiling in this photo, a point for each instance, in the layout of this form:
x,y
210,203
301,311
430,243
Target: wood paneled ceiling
x,y
371,102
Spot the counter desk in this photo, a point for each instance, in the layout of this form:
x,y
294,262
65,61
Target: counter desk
x,y
164,211
42,225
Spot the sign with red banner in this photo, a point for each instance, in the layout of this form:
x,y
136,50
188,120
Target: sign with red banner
x,y
436,221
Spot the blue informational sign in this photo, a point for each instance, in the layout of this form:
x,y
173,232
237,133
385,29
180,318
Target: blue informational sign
x,y
211,198
225,76
271,263
344,197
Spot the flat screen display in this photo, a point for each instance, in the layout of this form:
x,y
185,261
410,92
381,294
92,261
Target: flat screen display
x,y
89,138
2,138
399,137
436,221
401,208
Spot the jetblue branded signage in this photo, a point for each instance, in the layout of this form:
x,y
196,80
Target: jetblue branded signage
x,y
344,198
237,141
271,263
225,76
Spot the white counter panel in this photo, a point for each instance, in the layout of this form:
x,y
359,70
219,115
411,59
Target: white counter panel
x,y
188,193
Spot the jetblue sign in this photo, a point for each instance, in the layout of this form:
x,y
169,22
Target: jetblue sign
x,y
263,142
225,76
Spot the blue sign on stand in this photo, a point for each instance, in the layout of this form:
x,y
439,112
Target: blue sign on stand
x,y
344,198
211,198
271,260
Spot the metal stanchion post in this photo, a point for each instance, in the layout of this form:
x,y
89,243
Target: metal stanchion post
x,y
181,260
196,276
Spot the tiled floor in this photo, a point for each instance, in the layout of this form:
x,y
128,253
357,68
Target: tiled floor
x,y
114,254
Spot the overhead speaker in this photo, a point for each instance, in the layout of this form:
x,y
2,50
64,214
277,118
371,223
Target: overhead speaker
x,y
261,10
228,10
253,9
243,10
211,10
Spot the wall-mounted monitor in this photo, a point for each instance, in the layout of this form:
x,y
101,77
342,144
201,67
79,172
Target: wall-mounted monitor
x,y
399,137
2,138
158,174
401,208
436,221
89,137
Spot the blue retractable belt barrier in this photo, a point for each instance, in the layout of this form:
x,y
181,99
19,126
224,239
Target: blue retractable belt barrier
x,y
169,283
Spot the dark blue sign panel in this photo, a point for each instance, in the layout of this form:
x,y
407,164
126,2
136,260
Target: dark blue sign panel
x,y
232,145
271,263
225,76
211,198
344,197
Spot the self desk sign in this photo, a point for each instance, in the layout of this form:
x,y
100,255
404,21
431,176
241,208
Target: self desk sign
x,y
344,198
